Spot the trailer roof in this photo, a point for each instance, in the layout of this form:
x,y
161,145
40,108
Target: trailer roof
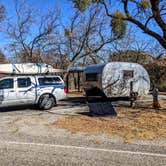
x,y
77,69
94,68
99,67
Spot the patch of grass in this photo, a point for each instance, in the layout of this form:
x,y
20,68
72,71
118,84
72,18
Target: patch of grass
x,y
131,124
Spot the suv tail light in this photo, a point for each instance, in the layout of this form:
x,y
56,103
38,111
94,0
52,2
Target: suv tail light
x,y
65,89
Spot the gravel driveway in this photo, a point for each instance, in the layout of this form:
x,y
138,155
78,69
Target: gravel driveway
x,y
31,126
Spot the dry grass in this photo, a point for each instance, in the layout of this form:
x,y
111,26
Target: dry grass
x,y
75,94
149,104
131,124
163,104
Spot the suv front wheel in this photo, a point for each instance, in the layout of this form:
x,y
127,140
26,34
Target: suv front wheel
x,y
46,102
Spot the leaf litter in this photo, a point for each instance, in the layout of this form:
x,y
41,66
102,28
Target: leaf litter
x,y
130,124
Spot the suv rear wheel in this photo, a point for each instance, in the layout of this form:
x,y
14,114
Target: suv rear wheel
x,y
46,102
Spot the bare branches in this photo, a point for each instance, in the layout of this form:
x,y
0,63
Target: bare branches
x,y
157,16
90,35
2,12
151,14
143,13
31,31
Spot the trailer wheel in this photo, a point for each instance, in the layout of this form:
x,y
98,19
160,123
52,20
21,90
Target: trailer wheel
x,y
46,102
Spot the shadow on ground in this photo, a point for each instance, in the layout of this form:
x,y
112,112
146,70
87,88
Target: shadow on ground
x,y
18,108
96,107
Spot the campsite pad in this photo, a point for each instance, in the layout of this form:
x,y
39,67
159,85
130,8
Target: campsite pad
x,y
130,124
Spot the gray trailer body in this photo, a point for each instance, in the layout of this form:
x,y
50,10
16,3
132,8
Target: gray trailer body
x,y
117,79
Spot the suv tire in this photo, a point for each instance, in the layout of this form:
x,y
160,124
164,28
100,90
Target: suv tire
x,y
46,102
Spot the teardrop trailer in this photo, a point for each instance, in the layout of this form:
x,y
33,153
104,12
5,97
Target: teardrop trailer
x,y
116,80
30,84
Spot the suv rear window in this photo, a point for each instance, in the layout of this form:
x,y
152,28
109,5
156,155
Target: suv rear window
x,y
49,81
23,82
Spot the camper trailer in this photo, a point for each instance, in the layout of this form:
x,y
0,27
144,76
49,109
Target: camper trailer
x,y
116,79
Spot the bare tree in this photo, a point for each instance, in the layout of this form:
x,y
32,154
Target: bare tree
x,y
87,37
31,33
135,49
148,15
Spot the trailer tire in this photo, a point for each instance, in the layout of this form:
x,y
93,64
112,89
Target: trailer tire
x,y
46,102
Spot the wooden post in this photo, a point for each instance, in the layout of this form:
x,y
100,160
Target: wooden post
x,y
156,104
78,81
131,94
74,81
67,82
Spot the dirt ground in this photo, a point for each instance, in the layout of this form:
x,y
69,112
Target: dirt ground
x,y
131,124
135,136
139,123
72,118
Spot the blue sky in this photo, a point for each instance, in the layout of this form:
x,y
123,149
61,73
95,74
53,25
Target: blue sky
x,y
65,6
43,4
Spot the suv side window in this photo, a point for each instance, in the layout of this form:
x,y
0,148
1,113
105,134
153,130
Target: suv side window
x,y
23,82
7,83
49,81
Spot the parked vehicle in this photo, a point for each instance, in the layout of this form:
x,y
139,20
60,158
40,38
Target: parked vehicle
x,y
116,79
43,91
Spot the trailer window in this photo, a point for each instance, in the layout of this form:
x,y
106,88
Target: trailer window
x,y
127,74
91,77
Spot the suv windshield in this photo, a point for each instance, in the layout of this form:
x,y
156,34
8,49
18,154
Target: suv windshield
x,y
49,81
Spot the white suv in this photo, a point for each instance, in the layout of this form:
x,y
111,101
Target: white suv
x,y
44,91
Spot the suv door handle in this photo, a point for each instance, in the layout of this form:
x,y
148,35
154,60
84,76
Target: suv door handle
x,y
11,91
